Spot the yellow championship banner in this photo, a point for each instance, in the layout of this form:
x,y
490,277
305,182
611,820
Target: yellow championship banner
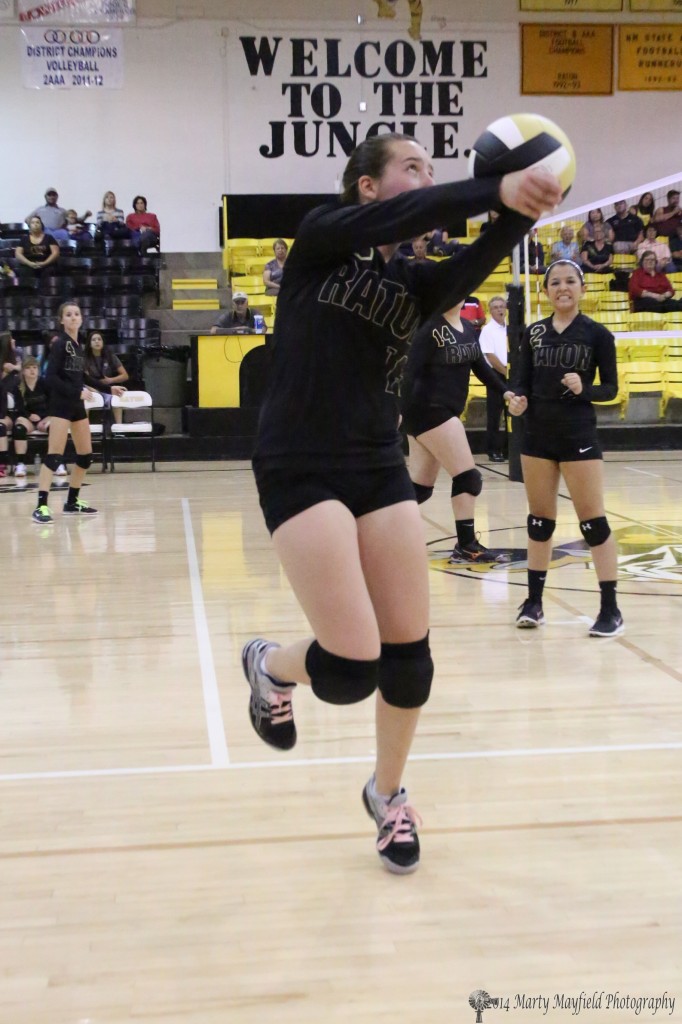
x,y
656,5
649,57
571,5
566,60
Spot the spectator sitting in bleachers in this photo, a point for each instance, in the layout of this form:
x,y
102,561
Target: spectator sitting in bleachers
x,y
38,250
492,217
594,217
30,410
661,250
272,271
567,247
51,214
650,291
644,209
104,371
239,316
627,228
145,226
419,250
73,231
111,220
666,217
473,311
597,255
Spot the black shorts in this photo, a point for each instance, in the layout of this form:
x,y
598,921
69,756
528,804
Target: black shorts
x,y
63,409
562,446
420,418
284,493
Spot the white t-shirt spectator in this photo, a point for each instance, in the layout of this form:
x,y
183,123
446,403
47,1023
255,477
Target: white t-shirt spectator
x,y
493,338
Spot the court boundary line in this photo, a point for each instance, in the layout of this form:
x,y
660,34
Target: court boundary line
x,y
215,725
309,762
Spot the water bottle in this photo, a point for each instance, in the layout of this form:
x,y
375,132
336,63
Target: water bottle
x,y
259,323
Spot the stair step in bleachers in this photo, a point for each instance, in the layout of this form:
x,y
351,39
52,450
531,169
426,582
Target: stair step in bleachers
x,y
183,284
196,304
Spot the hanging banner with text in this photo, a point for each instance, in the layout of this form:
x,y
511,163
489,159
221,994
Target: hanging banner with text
x,y
77,12
650,57
566,60
72,58
571,5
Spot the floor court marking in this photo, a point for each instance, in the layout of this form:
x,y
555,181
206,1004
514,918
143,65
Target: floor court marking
x,y
220,757
452,755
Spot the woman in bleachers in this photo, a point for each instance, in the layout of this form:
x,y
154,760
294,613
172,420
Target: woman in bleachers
x,y
104,371
38,250
644,209
597,255
111,220
594,217
30,410
661,250
650,290
144,226
272,271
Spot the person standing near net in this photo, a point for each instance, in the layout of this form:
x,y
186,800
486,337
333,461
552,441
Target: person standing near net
x,y
328,462
559,359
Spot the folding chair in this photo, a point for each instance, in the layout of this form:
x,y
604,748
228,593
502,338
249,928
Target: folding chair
x,y
118,432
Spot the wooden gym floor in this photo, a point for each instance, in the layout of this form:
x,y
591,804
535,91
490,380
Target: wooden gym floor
x,y
159,864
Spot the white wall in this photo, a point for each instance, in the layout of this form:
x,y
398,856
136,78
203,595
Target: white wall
x,y
189,121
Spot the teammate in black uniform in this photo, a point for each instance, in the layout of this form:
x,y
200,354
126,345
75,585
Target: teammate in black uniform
x,y
559,359
434,394
64,381
30,410
329,467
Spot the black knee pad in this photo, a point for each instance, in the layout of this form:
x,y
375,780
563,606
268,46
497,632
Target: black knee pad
x,y
19,432
468,482
595,531
3,430
84,461
540,527
339,680
406,673
53,462
422,492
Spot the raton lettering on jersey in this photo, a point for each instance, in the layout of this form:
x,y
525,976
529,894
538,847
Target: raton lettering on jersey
x,y
547,355
346,317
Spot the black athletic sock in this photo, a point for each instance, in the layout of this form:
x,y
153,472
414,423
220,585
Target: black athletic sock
x,y
608,596
536,584
42,498
72,496
466,533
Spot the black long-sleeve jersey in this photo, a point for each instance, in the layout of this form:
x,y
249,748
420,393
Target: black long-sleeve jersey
x,y
345,319
64,376
30,403
439,366
547,355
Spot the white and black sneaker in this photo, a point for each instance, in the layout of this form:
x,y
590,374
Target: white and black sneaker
x,y
530,615
396,820
270,707
608,624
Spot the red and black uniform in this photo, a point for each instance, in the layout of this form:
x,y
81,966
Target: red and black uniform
x,y
437,375
560,425
64,379
345,318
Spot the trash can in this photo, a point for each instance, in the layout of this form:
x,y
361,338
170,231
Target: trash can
x,y
165,375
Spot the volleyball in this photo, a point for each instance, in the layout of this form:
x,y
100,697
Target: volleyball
x,y
523,140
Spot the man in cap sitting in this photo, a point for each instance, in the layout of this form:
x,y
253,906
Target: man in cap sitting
x,y
52,215
239,316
